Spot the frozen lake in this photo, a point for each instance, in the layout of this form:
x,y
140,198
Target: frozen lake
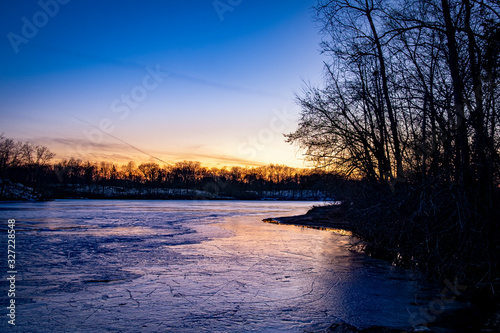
x,y
191,266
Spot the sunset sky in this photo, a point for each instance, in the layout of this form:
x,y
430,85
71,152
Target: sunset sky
x,y
212,81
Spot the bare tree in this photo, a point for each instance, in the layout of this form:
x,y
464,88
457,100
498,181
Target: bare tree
x,y
412,90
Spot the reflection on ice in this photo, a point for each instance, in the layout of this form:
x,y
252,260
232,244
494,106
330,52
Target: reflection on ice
x,y
194,266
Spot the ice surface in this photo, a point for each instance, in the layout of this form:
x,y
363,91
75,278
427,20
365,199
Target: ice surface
x,y
192,266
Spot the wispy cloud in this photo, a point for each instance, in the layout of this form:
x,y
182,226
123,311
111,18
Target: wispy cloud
x,y
122,153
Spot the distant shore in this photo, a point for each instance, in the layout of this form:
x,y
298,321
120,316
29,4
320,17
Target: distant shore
x,y
10,191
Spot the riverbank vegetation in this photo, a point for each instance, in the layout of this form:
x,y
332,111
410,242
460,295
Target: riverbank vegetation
x,y
410,106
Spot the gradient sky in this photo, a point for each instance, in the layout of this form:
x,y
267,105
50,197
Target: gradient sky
x,y
128,80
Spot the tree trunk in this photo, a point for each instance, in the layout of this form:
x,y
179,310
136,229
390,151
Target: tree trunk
x,y
390,110
461,145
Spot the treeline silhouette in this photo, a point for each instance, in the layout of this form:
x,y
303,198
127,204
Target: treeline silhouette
x,y
30,165
411,104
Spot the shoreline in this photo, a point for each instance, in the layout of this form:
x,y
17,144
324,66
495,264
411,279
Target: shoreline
x,y
318,217
332,218
329,218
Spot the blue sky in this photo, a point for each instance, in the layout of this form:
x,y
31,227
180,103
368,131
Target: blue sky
x,y
173,80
